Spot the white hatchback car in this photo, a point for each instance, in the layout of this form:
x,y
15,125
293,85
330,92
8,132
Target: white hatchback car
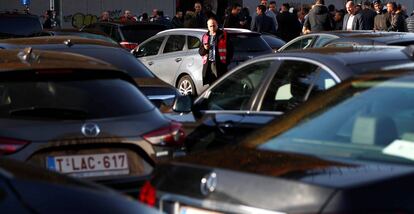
x,y
173,56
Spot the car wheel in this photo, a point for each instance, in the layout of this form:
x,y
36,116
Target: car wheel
x,y
186,86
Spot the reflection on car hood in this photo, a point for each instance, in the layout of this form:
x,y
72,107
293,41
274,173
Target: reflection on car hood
x,y
308,169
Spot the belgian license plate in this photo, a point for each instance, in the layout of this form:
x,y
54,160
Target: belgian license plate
x,y
192,210
90,165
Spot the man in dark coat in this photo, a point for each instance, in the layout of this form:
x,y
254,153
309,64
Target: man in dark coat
x,y
216,51
289,25
382,20
352,20
318,19
263,23
397,19
368,16
233,19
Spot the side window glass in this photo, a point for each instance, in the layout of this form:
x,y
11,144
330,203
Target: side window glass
x,y
301,44
150,48
115,34
193,42
174,43
106,29
235,92
322,40
290,86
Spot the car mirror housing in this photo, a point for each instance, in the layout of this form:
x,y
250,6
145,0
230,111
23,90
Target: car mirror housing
x,y
183,104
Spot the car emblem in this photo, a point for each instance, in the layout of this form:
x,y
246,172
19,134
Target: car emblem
x,y
90,130
208,183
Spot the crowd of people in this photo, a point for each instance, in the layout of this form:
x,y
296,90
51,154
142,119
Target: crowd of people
x,y
287,22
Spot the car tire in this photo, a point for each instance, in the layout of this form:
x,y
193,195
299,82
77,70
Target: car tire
x,y
186,86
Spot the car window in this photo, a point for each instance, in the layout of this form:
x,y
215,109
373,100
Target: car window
x,y
115,34
193,42
19,26
248,43
300,44
150,48
322,40
71,99
174,43
235,91
293,83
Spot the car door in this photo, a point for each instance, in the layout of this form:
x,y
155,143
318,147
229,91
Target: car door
x,y
168,62
148,52
294,82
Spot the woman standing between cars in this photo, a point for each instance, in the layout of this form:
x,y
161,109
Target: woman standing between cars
x,y
216,51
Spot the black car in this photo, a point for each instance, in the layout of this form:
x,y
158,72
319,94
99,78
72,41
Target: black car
x,y
16,24
268,86
379,38
348,150
127,35
28,189
159,92
76,32
81,116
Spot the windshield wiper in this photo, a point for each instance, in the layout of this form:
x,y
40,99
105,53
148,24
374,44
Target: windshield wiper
x,y
50,112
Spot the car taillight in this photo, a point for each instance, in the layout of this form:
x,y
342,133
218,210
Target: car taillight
x,y
147,194
9,145
172,135
128,45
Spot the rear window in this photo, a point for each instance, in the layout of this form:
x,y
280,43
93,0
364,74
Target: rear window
x,y
248,43
73,99
19,26
140,33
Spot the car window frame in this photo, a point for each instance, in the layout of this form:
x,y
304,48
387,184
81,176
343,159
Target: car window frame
x,y
150,40
184,48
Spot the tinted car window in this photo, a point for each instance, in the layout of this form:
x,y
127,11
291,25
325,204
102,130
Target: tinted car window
x,y
140,33
19,26
248,43
174,43
84,99
235,92
150,48
301,44
193,42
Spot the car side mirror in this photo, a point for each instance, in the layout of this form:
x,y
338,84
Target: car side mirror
x,y
183,104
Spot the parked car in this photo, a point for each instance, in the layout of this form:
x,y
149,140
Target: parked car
x,y
127,35
76,32
268,86
173,55
30,189
16,24
361,37
81,116
273,41
159,92
346,151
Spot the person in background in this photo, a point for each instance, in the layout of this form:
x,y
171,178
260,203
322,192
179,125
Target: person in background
x,y
289,26
105,17
263,23
216,51
144,18
246,19
162,20
410,23
397,19
189,19
338,20
50,20
128,17
368,16
200,18
233,19
382,20
177,20
352,20
153,15
318,19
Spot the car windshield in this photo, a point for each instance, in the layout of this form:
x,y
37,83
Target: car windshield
x,y
73,99
19,26
138,34
368,120
248,43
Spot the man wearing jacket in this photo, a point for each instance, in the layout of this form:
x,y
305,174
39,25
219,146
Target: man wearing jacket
x,y
318,19
352,20
216,51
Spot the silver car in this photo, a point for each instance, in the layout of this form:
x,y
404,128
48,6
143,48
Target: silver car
x,y
173,56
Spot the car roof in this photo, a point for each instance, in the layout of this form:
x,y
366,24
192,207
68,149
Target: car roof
x,y
203,31
68,40
348,55
378,38
30,59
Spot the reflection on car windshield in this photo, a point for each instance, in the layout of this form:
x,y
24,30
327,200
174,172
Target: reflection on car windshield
x,y
70,99
370,120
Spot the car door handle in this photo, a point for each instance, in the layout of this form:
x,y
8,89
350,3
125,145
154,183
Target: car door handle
x,y
150,63
178,59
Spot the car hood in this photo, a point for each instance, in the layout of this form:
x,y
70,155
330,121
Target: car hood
x,y
297,167
47,130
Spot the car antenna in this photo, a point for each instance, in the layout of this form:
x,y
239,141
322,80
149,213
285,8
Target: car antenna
x,y
27,55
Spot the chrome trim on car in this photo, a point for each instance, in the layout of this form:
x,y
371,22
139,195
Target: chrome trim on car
x,y
247,112
210,205
161,97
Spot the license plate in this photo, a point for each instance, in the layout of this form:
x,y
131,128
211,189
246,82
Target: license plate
x,y
192,210
90,165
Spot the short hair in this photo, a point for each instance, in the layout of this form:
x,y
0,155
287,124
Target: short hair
x,y
286,5
272,2
236,5
262,8
394,5
331,7
320,2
